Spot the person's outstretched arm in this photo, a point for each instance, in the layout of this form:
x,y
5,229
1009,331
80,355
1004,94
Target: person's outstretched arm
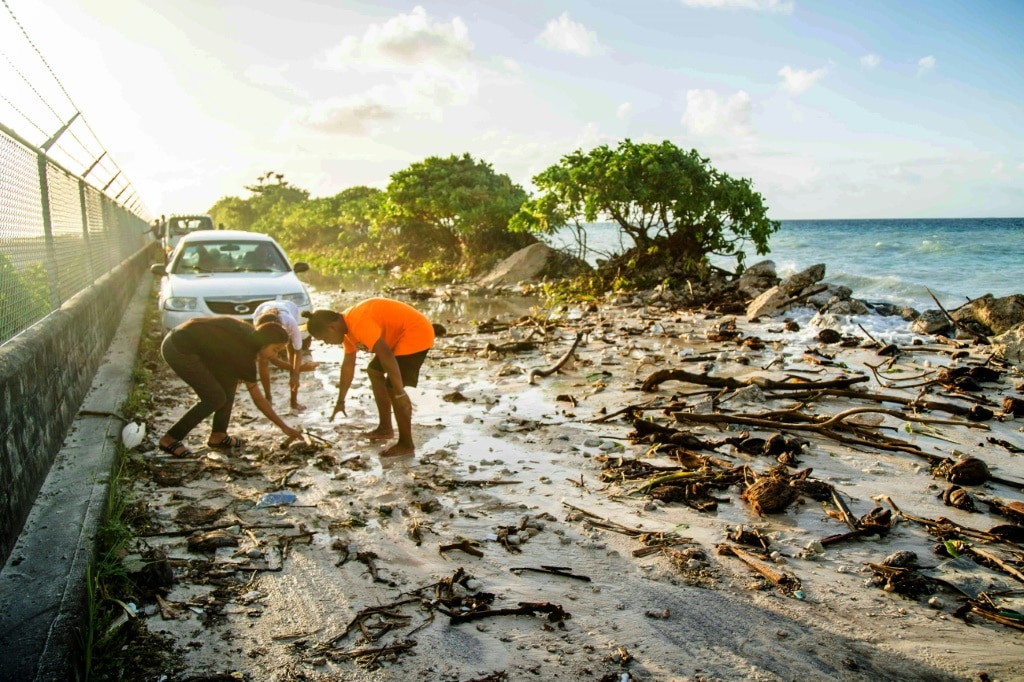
x,y
348,371
267,409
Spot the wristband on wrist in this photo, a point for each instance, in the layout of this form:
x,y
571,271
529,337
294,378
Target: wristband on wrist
x,y
400,395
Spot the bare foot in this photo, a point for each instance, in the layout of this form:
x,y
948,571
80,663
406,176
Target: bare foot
x,y
398,450
297,407
379,434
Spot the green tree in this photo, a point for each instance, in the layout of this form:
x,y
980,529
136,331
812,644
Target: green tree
x,y
455,210
673,204
338,228
233,213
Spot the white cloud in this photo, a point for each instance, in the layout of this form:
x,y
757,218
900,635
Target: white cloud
x,y
512,66
778,6
925,64
356,116
625,109
423,96
706,113
870,61
406,40
798,81
565,35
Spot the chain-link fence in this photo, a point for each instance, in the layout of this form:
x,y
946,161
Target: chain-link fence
x,y
58,234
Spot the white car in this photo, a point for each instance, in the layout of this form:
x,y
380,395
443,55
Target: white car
x,y
226,272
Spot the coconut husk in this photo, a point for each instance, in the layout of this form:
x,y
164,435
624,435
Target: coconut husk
x,y
771,493
969,471
955,496
1013,406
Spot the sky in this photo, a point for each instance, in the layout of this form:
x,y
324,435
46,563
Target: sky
x,y
860,109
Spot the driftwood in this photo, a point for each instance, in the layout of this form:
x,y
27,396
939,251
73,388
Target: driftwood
x,y
977,337
375,652
555,612
875,522
828,427
467,546
652,382
552,570
787,582
944,528
385,609
220,526
534,373
932,405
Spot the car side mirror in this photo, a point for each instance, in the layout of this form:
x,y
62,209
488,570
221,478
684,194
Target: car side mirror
x,y
300,267
158,269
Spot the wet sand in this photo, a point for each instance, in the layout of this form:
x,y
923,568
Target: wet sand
x,y
515,469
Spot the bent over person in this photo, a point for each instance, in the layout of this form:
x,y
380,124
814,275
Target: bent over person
x,y
399,337
213,354
286,314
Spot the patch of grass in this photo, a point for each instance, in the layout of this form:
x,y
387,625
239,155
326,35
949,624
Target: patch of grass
x,y
113,647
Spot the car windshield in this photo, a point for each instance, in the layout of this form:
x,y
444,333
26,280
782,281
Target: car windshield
x,y
228,256
177,226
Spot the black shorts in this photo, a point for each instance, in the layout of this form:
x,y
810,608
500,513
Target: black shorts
x,y
408,365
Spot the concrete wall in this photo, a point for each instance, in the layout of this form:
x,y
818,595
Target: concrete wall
x,y
45,373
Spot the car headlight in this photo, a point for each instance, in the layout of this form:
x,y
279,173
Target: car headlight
x,y
300,299
182,303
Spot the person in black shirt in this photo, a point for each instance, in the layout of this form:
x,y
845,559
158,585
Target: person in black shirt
x,y
212,354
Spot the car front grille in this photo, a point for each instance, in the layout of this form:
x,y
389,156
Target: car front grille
x,y
235,307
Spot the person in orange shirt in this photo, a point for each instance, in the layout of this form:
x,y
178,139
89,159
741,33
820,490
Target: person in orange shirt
x,y
399,337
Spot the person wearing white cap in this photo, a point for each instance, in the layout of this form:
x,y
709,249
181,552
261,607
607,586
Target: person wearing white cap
x,y
286,314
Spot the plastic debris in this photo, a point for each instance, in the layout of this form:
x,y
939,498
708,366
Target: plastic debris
x,y
275,499
132,434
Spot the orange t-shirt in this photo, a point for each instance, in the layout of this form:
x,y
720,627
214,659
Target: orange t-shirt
x,y
404,329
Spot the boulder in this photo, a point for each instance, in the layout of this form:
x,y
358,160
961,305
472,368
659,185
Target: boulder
x,y
771,302
757,279
1010,345
998,315
796,283
779,298
832,293
931,322
524,265
846,306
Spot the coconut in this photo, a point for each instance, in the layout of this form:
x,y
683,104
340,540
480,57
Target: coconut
x,y
955,496
969,471
770,494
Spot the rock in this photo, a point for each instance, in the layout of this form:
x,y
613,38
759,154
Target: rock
x,y
998,315
771,302
757,279
796,283
832,295
931,322
779,298
829,336
531,263
901,559
1010,346
849,306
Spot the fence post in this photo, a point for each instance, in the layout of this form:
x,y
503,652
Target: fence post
x,y
85,230
51,254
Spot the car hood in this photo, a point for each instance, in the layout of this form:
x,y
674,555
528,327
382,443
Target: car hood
x,y
234,284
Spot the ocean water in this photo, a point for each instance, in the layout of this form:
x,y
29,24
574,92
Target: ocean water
x,y
896,261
